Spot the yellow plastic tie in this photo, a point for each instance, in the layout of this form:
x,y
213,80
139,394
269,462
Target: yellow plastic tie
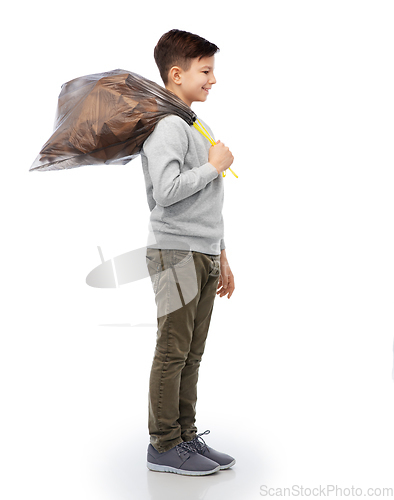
x,y
206,134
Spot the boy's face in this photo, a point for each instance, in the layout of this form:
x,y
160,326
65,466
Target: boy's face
x,y
193,84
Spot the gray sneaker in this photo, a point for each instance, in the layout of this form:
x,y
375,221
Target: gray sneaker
x,y
182,459
225,461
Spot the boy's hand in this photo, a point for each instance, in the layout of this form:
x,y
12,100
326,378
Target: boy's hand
x,y
220,157
226,280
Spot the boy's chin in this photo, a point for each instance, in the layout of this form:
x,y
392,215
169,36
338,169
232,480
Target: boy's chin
x,y
202,98
199,98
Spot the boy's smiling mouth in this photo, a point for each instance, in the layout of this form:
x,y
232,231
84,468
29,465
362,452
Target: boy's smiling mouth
x,y
206,90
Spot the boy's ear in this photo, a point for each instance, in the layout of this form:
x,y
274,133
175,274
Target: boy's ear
x,y
175,75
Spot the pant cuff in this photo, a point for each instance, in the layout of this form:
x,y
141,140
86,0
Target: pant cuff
x,y
168,446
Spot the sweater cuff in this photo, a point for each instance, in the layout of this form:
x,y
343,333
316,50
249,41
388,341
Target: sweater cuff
x,y
222,245
209,172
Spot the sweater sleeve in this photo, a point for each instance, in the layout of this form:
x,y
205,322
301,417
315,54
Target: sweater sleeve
x,y
165,150
222,244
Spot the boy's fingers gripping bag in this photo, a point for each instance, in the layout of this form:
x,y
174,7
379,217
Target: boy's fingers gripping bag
x,y
105,118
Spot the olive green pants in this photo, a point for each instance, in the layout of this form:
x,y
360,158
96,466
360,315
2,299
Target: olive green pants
x,y
185,284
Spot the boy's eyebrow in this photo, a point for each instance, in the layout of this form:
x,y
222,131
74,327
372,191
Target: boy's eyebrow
x,y
206,66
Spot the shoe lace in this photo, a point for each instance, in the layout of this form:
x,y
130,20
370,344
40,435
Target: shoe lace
x,y
198,443
185,446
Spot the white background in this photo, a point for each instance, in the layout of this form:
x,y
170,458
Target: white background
x,y
296,379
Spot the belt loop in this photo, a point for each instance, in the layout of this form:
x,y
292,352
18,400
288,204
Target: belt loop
x,y
161,260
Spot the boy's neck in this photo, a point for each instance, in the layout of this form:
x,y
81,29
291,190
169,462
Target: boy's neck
x,y
178,94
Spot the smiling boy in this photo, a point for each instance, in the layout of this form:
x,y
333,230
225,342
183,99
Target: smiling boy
x,y
188,263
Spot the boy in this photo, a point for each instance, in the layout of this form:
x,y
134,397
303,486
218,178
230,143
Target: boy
x,y
188,264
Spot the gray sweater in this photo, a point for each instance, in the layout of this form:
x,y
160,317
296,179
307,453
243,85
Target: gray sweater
x,y
185,192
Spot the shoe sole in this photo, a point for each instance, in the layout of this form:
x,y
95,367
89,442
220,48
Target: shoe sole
x,y
222,467
167,468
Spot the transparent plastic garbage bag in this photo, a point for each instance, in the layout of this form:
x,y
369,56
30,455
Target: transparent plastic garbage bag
x,y
105,118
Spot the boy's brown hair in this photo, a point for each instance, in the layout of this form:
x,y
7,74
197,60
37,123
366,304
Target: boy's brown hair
x,y
178,48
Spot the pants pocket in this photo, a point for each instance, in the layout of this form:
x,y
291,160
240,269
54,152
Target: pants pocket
x,y
215,267
154,266
180,258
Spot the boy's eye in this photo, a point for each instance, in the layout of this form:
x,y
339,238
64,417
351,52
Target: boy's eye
x,y
206,72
